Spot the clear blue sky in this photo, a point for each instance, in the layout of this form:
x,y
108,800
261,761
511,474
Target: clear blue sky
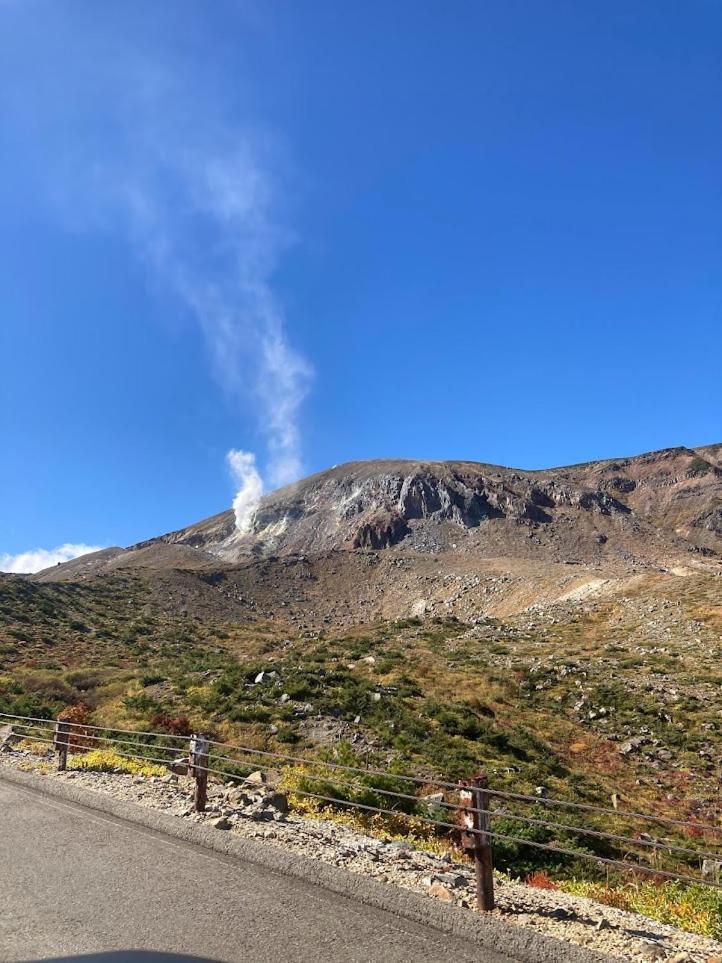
x,y
492,230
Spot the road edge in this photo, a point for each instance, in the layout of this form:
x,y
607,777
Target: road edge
x,y
526,945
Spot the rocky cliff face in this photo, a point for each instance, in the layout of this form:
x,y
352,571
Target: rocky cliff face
x,y
388,539
653,507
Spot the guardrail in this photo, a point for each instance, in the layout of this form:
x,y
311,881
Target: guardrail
x,y
473,813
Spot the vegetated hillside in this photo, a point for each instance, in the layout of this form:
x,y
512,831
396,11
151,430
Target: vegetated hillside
x,y
561,628
616,693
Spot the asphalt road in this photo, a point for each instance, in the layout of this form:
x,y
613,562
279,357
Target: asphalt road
x,y
74,882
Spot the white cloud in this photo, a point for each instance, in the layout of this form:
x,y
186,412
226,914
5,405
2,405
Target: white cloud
x,y
37,559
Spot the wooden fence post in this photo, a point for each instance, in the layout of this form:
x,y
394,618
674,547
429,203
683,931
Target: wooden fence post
x,y
475,818
61,740
198,768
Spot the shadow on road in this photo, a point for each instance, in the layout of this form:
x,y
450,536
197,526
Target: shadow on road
x,y
127,956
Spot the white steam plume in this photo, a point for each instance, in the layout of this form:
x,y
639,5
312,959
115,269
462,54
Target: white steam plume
x,y
250,487
198,200
209,234
37,559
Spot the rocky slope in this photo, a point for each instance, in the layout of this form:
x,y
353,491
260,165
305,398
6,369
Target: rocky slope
x,y
389,538
667,502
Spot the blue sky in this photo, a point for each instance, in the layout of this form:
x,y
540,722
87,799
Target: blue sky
x,y
325,231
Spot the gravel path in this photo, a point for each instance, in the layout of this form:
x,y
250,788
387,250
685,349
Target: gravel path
x,y
257,812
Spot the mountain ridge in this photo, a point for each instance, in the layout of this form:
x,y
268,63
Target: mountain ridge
x,y
385,538
386,497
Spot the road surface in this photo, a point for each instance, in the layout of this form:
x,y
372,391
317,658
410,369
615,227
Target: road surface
x,y
74,882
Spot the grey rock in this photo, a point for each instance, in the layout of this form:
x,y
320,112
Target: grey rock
x,y
276,800
653,951
6,737
452,880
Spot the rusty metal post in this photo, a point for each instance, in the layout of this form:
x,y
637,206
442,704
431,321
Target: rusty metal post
x,y
61,741
198,768
483,855
475,819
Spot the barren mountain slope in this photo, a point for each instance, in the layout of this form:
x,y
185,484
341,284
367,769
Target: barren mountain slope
x,y
383,539
645,508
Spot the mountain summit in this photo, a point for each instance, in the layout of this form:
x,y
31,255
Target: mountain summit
x,y
378,536
648,506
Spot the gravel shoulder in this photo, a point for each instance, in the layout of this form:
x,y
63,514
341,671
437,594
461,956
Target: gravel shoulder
x,y
252,813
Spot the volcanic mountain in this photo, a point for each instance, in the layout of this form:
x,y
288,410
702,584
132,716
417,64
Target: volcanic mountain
x,y
387,538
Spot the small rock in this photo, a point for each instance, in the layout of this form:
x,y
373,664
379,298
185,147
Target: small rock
x,y
276,800
257,778
221,823
439,891
653,951
451,880
560,913
263,816
6,735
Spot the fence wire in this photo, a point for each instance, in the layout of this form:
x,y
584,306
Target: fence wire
x,y
111,737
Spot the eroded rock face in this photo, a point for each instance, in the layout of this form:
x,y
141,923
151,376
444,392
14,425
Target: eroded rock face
x,y
591,510
652,508
381,531
711,521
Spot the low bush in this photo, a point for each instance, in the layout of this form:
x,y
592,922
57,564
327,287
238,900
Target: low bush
x,y
695,908
105,760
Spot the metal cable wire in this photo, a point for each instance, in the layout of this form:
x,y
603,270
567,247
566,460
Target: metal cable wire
x,y
79,734
8,715
492,834
126,742
85,725
500,794
38,739
653,844
635,867
335,765
34,725
588,807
